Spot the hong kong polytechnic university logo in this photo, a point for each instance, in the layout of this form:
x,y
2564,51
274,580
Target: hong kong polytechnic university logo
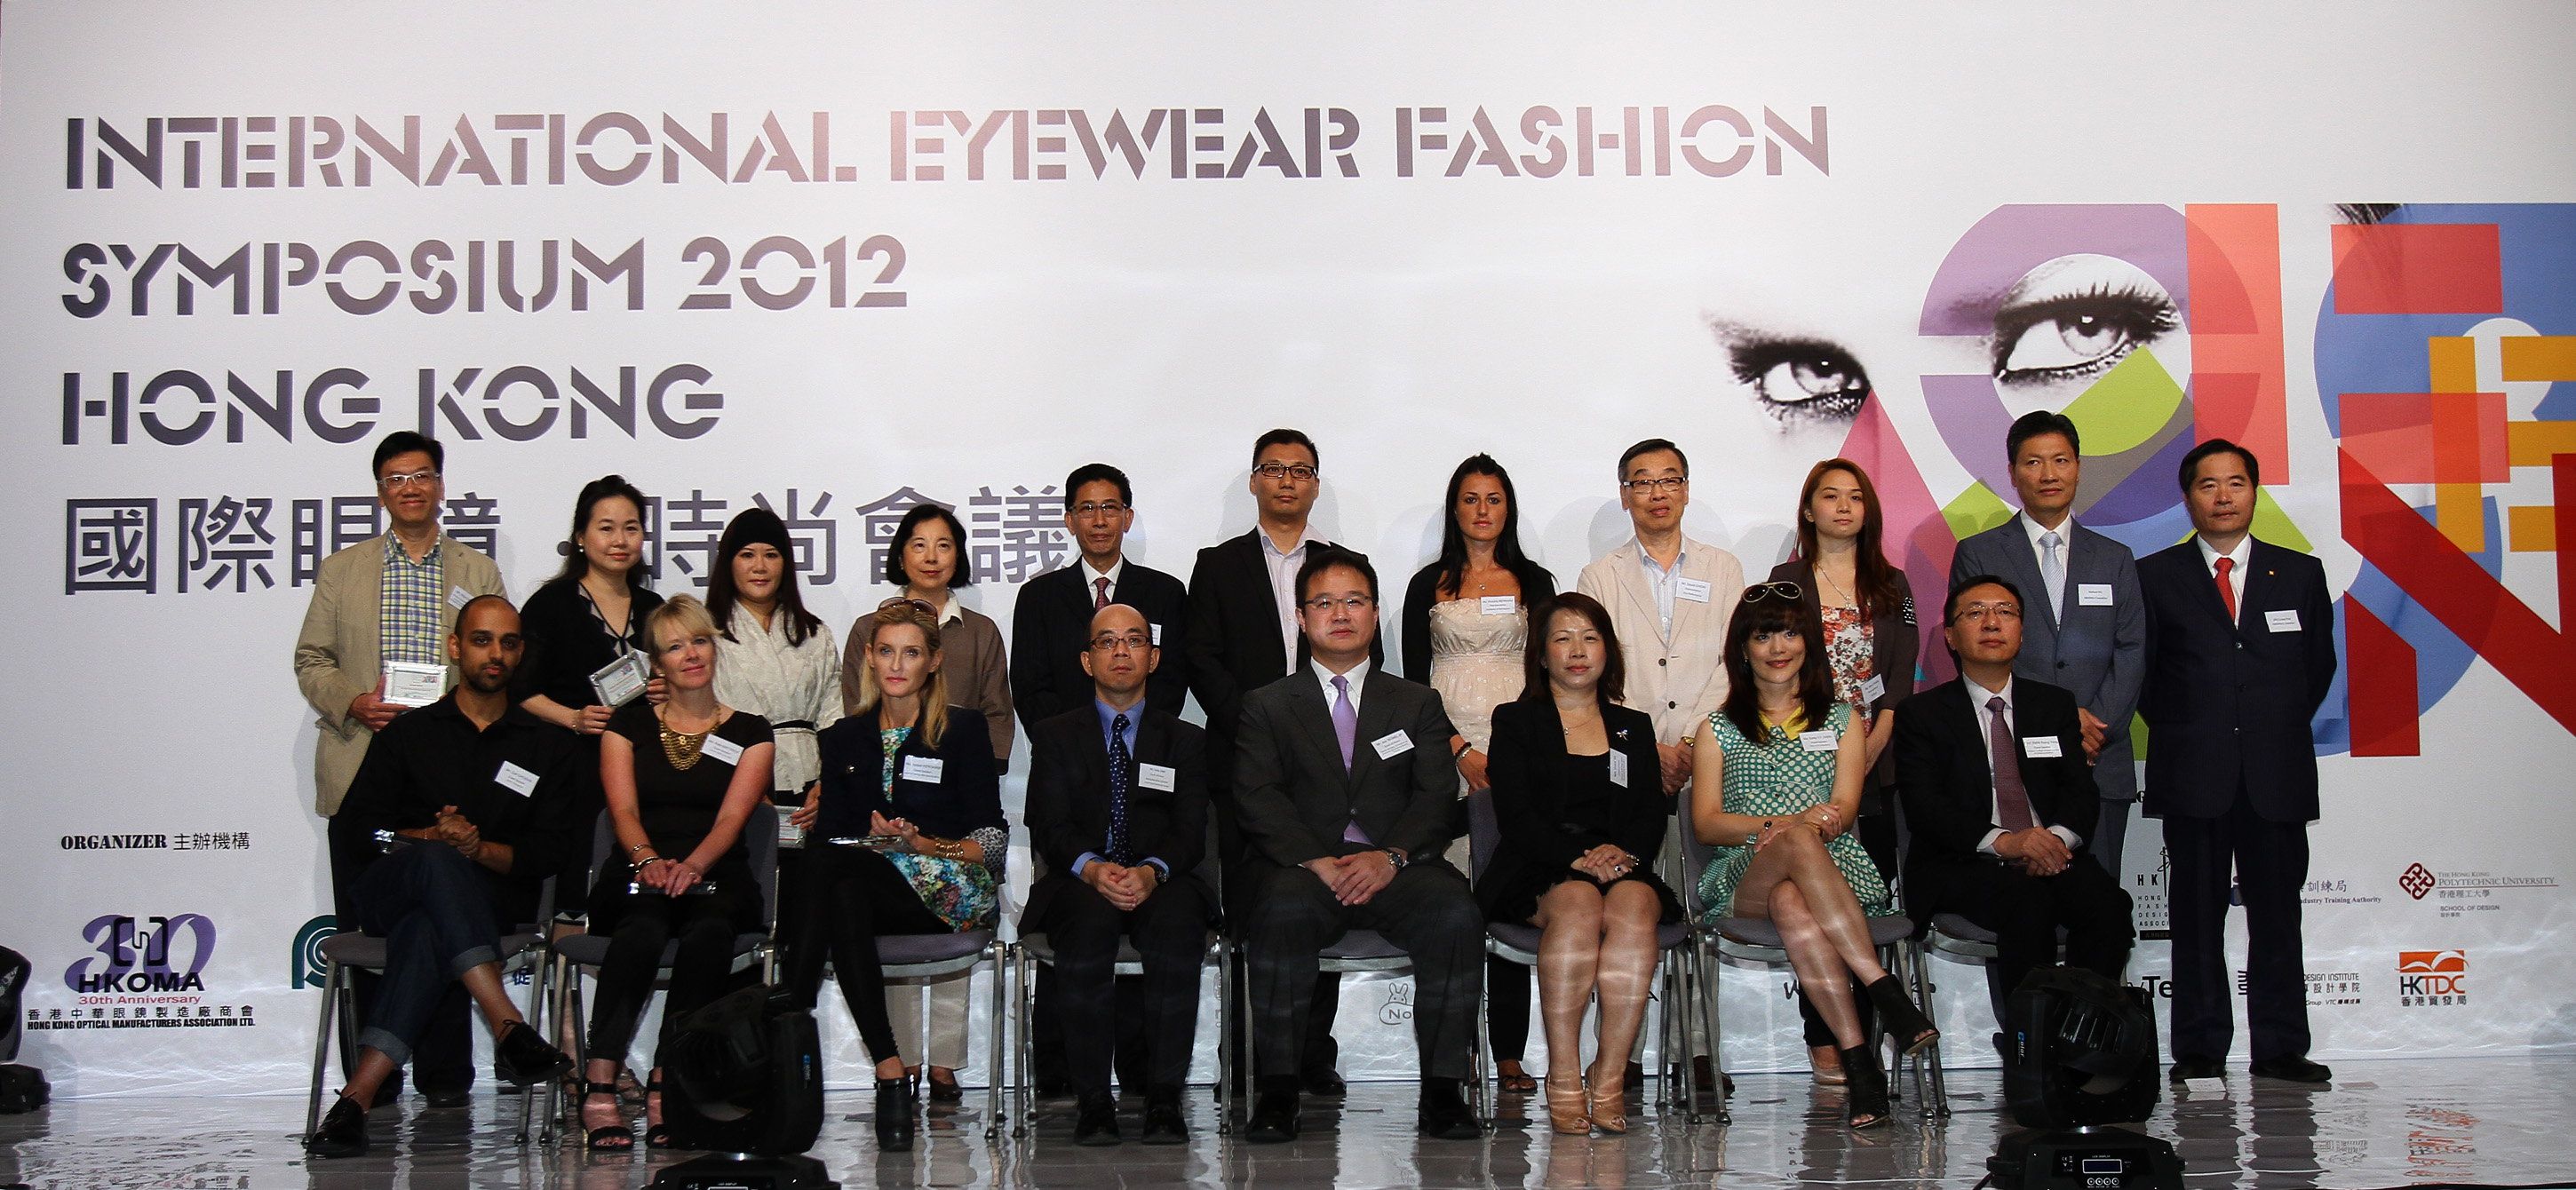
x,y
2417,881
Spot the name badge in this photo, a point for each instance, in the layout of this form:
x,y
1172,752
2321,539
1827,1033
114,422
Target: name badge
x,y
2042,747
411,684
618,682
924,769
1392,745
2092,594
1498,605
1156,776
515,779
1619,768
1873,689
721,748
457,598
2285,620
1819,741
1695,590
1154,633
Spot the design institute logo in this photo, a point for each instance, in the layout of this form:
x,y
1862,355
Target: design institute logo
x,y
2432,978
2417,881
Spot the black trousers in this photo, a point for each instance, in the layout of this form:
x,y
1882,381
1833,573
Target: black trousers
x,y
1170,933
853,897
1426,910
2270,864
442,1057
2026,911
640,927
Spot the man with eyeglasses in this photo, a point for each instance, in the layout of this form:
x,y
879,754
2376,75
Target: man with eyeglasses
x,y
1242,637
1117,814
1345,785
1051,644
374,644
1998,793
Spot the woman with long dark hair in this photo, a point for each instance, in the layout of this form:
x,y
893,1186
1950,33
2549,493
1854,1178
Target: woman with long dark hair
x,y
590,613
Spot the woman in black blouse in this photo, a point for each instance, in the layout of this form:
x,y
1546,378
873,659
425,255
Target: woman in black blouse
x,y
680,779
909,780
1579,798
591,613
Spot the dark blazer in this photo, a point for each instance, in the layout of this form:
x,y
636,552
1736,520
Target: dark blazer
x,y
967,797
1051,627
1233,646
1943,773
1415,626
1293,797
1894,643
1068,803
2099,654
2230,704
1527,772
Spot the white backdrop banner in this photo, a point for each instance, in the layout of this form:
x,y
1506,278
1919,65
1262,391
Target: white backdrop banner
x,y
839,259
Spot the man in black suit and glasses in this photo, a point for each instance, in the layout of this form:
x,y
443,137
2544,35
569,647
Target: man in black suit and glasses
x,y
1117,814
1998,793
1347,789
2240,653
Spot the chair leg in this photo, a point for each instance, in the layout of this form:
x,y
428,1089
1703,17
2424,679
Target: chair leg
x,y
1226,1056
1023,1095
1936,1099
1714,980
1003,962
536,1018
322,1045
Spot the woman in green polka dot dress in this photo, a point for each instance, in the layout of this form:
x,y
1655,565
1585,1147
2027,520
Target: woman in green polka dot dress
x,y
1789,765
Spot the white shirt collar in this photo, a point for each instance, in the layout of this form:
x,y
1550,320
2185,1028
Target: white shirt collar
x,y
951,611
1978,694
1358,676
2209,555
1091,578
1680,559
1305,537
2065,532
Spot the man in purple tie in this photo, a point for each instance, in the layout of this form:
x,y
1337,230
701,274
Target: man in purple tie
x,y
1346,788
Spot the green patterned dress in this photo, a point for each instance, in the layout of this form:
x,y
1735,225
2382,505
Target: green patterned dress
x,y
1780,780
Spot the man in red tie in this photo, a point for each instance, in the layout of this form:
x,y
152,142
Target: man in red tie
x,y
2240,654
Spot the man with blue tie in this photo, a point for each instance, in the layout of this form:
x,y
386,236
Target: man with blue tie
x,y
2241,651
2085,629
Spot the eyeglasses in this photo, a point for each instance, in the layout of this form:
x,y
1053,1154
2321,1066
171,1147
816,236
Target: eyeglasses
x,y
1656,487
1325,603
1104,508
1980,611
907,601
392,483
1111,642
1781,590
1296,471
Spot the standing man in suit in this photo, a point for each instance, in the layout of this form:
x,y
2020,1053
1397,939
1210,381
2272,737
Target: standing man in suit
x,y
1998,793
2084,626
2240,640
379,604
1117,813
1050,648
1346,788
1243,636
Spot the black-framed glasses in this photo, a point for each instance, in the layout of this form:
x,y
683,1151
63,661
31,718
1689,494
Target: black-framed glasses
x,y
1980,611
1111,642
1656,487
1325,603
1297,471
1104,508
1781,589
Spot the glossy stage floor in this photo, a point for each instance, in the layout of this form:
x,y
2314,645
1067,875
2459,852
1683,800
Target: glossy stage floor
x,y
2485,1121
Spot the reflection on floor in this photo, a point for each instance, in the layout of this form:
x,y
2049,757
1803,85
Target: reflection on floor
x,y
2388,1123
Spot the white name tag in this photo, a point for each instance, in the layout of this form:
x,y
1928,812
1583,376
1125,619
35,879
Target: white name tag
x,y
721,748
2093,594
1156,776
2285,620
924,769
1392,745
1819,741
457,598
411,684
515,779
1154,633
1873,689
1498,605
1619,769
2042,747
1692,589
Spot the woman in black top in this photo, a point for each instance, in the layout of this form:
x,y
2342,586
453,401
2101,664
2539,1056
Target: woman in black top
x,y
591,613
914,778
1579,798
680,779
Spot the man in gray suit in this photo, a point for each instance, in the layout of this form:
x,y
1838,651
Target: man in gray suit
x,y
2084,626
1344,786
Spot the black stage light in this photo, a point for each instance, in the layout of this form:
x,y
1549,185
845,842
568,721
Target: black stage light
x,y
2080,1056
746,1081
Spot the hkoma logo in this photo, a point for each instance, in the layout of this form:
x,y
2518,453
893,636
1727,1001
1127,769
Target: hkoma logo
x,y
2417,881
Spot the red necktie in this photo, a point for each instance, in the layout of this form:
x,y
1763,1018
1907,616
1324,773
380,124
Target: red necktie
x,y
1100,597
2012,801
2226,591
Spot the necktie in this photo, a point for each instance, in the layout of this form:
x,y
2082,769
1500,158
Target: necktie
x,y
1346,728
2227,590
1118,790
2052,571
2012,802
1100,596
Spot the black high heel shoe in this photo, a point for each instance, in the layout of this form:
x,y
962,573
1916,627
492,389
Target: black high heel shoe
x,y
607,1138
1899,1018
894,1120
656,1136
1866,1086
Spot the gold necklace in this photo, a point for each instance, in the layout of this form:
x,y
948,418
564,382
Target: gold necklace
x,y
681,748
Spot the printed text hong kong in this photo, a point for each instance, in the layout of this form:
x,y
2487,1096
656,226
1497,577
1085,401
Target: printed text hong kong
x,y
514,403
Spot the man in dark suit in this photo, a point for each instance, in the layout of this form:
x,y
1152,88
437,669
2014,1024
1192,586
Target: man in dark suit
x,y
2084,626
1117,813
1998,792
1347,788
2241,651
1050,640
1243,636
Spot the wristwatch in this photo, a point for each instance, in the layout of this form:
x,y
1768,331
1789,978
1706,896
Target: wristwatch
x,y
1395,857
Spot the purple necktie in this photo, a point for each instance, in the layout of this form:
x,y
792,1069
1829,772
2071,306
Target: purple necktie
x,y
2012,801
1346,728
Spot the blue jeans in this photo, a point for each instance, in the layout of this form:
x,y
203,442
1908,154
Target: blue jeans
x,y
428,903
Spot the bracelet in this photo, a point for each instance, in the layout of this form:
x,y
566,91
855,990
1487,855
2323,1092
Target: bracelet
x,y
651,860
638,847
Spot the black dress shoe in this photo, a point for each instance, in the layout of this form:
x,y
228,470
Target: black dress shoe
x,y
1324,1083
1163,1123
445,1099
1445,1115
1274,1113
2294,1068
523,1059
2189,1068
343,1132
1095,1124
894,1118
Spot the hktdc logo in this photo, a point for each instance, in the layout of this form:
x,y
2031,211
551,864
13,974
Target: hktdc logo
x,y
2432,977
136,954
2417,881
